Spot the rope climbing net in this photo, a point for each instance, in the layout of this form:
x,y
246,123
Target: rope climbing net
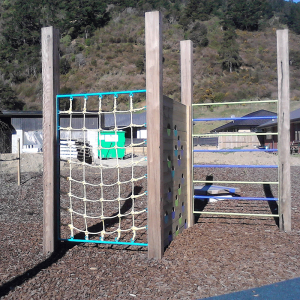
x,y
103,184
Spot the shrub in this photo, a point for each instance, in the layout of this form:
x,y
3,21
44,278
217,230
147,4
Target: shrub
x,y
65,66
66,40
198,35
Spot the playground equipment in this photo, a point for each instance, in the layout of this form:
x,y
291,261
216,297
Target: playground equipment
x,y
169,149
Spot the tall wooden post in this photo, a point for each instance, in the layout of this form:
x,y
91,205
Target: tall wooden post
x,y
284,130
50,71
154,98
19,162
186,55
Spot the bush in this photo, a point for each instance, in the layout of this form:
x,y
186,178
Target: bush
x,y
198,35
88,42
65,66
66,40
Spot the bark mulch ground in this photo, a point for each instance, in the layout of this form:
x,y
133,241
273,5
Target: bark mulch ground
x,y
218,255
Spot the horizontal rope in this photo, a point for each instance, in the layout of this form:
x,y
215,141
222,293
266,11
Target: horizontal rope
x,y
68,112
101,166
118,230
107,185
107,200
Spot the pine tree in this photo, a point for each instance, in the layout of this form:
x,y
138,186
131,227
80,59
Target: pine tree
x,y
247,14
229,52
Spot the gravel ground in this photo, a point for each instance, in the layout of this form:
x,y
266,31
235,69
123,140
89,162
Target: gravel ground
x,y
217,255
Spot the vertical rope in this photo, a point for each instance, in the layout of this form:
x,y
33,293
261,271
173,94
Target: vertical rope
x,y
83,169
70,169
132,168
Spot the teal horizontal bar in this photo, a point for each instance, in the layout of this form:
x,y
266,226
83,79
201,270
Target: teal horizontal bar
x,y
101,94
105,242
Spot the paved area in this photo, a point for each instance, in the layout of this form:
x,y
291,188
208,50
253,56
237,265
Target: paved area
x,y
285,290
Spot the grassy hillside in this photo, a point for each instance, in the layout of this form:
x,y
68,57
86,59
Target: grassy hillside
x,y
113,59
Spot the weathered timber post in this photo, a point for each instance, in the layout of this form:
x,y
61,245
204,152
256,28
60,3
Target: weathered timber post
x,y
154,98
19,162
284,130
50,73
186,58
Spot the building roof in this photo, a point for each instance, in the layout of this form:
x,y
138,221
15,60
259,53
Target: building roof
x,y
21,113
247,123
294,116
124,119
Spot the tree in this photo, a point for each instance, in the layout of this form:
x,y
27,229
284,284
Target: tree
x,y
21,30
83,15
293,20
199,34
229,52
201,9
247,14
8,99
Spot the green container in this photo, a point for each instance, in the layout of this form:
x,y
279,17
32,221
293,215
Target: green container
x,y
110,139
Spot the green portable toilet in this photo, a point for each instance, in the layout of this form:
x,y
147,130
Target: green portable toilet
x,y
108,140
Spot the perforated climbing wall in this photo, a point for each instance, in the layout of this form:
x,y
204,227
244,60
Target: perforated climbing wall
x,y
175,163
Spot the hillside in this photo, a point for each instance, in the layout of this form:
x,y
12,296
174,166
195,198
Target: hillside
x,y
112,58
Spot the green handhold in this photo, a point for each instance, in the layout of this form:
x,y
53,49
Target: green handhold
x,y
169,131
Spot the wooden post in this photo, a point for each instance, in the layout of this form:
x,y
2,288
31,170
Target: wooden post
x,y
186,55
50,72
19,163
284,130
154,98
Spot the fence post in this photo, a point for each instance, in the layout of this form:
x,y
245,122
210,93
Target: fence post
x,y
186,59
50,73
154,98
19,162
284,130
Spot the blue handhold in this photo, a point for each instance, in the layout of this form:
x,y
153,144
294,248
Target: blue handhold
x,y
173,215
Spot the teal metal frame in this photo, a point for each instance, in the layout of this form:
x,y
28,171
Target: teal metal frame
x,y
71,96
